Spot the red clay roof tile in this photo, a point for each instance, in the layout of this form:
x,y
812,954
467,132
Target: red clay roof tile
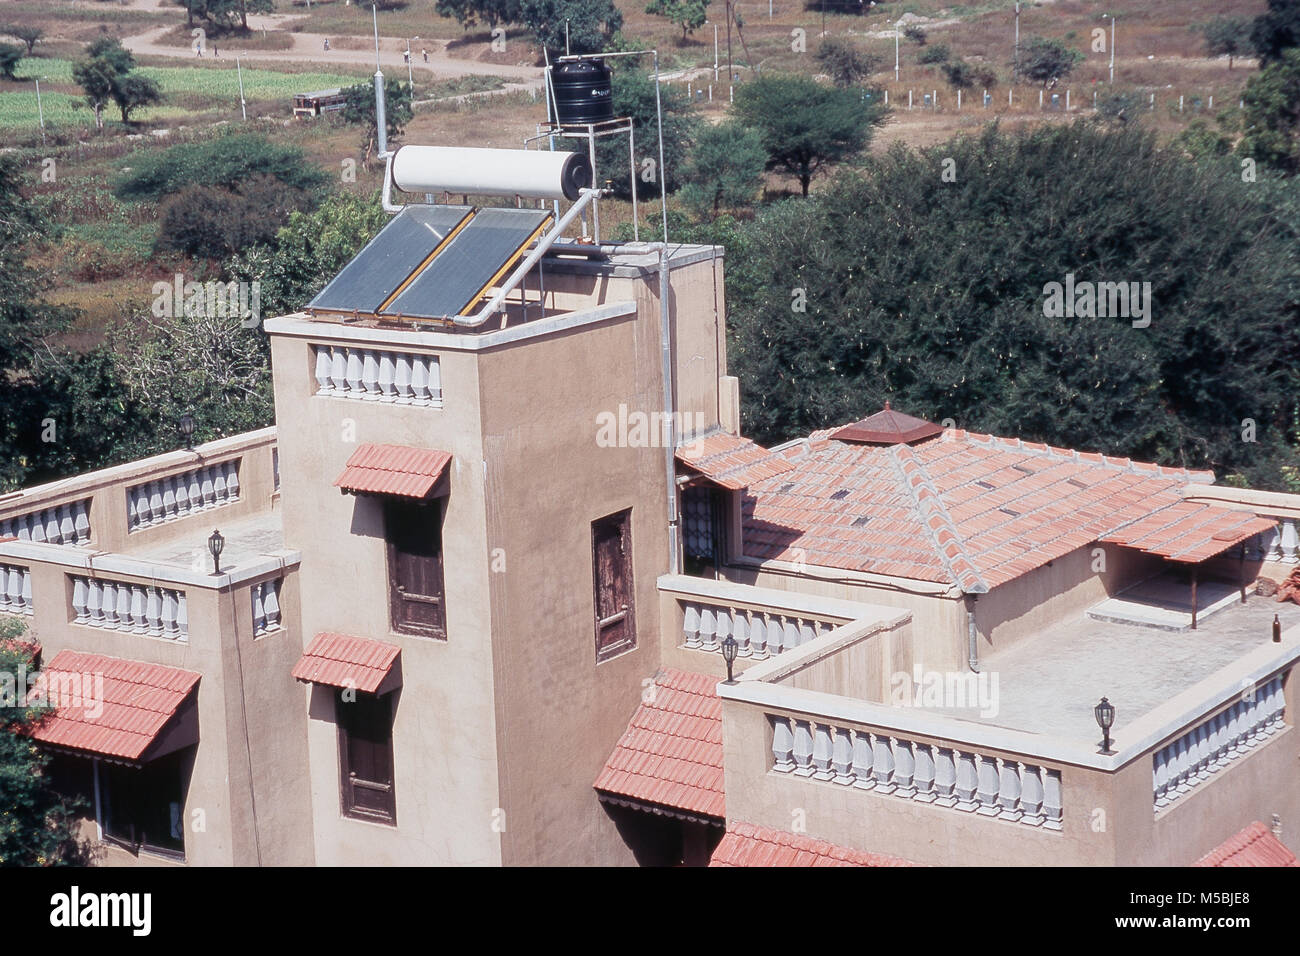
x,y
671,753
393,470
745,844
1253,846
730,461
108,705
342,661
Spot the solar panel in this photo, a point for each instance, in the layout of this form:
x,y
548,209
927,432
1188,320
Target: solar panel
x,y
475,259
388,260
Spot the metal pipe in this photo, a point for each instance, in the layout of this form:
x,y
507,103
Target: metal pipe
x,y
670,443
972,635
496,302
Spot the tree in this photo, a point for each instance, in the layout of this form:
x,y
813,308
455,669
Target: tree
x,y
634,97
10,55
725,169
939,53
591,23
96,79
804,125
38,826
134,91
225,15
1046,61
30,35
690,15
1276,30
359,108
844,61
934,296
915,34
962,75
1271,114
469,13
211,222
1227,36
227,161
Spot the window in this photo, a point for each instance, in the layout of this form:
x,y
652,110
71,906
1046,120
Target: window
x,y
144,807
414,532
704,522
611,558
366,756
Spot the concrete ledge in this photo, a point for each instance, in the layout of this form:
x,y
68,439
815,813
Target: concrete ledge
x,y
747,595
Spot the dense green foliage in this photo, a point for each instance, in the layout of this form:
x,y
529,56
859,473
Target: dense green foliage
x,y
224,15
844,61
634,96
10,55
725,169
1227,36
360,108
805,125
107,72
1271,114
591,23
931,293
939,53
30,35
37,824
1046,61
226,162
690,15
212,223
1276,30
470,13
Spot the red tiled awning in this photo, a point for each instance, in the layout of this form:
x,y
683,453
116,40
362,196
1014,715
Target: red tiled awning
x,y
730,461
888,427
342,661
393,470
748,845
115,708
1253,846
671,755
1189,532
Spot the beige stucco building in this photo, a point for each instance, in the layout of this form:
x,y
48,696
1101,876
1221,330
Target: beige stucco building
x,y
467,557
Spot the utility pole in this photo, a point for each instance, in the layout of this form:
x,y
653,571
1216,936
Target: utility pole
x,y
730,74
1112,48
1016,70
896,23
715,53
40,110
243,108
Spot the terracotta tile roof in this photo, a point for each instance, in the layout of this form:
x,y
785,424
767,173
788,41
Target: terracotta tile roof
x,y
1189,532
342,661
967,509
119,717
748,845
671,753
888,427
1253,846
730,461
393,470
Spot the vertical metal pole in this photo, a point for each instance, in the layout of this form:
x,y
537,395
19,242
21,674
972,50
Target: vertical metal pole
x,y
243,107
715,53
1016,69
566,37
1241,572
1112,48
631,165
595,181
410,76
1194,597
40,110
99,807
381,114
895,51
663,171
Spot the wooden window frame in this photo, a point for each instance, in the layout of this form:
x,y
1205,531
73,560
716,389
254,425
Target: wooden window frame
x,y
628,613
347,777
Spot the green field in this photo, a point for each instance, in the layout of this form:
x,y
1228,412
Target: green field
x,y
202,86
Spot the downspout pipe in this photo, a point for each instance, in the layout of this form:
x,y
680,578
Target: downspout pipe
x,y
972,634
670,418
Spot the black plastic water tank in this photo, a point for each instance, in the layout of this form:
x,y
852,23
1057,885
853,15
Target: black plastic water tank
x,y
583,92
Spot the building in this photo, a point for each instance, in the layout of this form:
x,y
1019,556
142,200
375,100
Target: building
x,y
474,589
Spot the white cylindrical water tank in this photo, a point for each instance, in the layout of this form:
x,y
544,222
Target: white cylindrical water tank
x,y
533,174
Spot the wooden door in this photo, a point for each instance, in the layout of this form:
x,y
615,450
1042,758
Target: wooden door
x,y
611,547
414,532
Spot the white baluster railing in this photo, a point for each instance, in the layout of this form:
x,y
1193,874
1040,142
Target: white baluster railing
x,y
759,634
152,503
68,523
1010,790
1186,762
377,375
266,606
134,608
15,589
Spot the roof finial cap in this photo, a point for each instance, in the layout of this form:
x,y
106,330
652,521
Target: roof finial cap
x,y
886,404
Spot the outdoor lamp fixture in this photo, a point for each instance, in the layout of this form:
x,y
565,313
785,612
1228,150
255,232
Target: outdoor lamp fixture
x,y
1277,630
1105,714
729,648
215,543
186,426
